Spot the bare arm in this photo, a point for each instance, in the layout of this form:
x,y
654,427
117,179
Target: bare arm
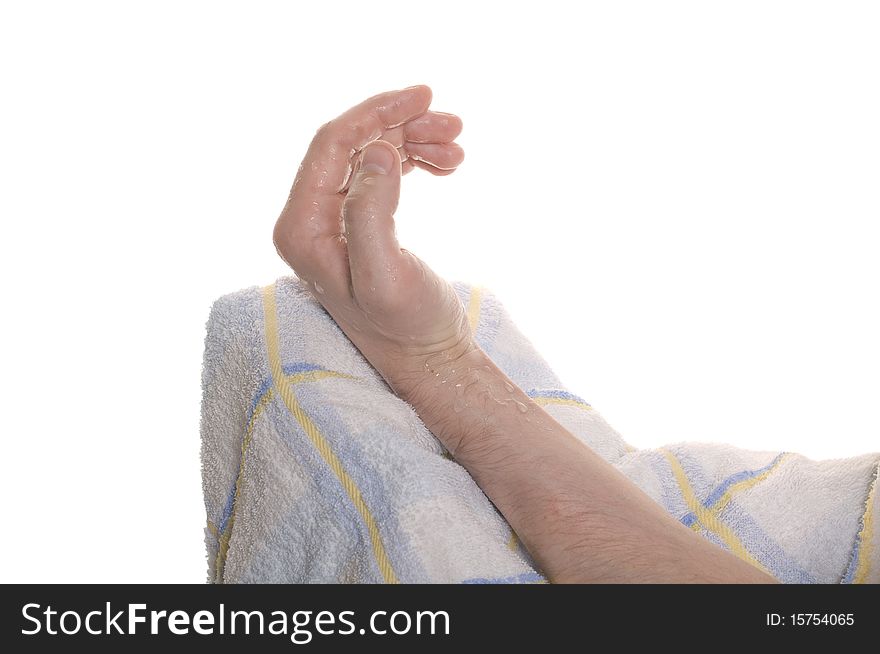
x,y
581,519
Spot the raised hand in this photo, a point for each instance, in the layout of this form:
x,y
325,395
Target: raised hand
x,y
337,233
579,516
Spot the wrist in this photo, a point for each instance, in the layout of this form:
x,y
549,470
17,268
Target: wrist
x,y
460,394
421,379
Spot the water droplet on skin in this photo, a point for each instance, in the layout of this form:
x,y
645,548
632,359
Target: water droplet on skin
x,y
436,359
319,288
393,278
522,408
372,289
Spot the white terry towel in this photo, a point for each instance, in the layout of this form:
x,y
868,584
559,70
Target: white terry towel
x,y
314,471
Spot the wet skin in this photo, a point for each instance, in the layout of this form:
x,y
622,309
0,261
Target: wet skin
x,y
337,231
580,518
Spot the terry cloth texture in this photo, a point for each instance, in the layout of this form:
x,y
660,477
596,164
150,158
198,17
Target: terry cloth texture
x,y
314,471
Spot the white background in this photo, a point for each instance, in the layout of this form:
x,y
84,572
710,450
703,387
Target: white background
x,y
677,202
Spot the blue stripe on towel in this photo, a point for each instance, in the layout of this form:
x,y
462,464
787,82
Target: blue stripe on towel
x,y
757,542
376,491
289,369
718,493
783,566
530,577
227,510
323,481
850,573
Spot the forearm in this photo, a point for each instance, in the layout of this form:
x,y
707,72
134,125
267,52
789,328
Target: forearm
x,y
581,518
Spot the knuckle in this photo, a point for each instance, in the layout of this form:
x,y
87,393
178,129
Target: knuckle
x,y
323,129
326,131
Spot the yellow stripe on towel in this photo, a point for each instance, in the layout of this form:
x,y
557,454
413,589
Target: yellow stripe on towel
x,y
316,375
866,535
745,484
285,391
474,308
708,518
223,549
224,537
543,401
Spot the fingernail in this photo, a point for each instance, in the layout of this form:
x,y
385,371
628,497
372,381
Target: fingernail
x,y
377,159
412,87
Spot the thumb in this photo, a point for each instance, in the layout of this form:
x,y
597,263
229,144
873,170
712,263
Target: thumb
x,y
368,213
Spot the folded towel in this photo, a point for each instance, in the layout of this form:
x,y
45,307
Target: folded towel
x,y
314,471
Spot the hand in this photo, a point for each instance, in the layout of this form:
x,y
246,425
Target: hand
x,y
337,233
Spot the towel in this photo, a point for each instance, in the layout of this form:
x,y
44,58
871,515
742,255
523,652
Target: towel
x,y
314,471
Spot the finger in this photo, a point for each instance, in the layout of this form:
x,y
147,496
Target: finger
x,y
373,251
433,127
329,156
308,232
445,156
